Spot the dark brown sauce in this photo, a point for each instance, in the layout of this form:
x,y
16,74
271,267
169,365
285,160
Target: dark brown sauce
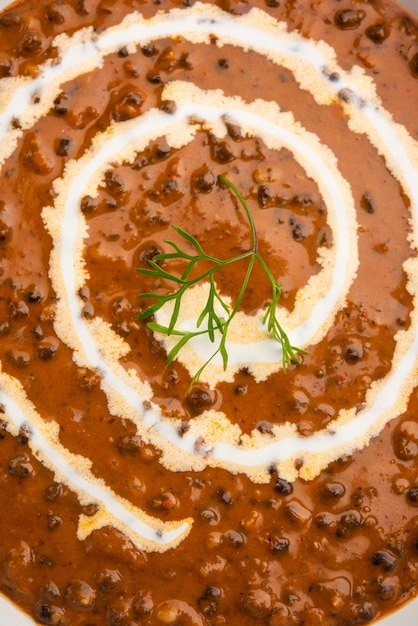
x,y
339,550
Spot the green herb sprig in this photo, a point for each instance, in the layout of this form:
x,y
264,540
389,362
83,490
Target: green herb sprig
x,y
215,322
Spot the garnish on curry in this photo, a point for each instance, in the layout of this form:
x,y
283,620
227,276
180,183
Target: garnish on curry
x,y
213,488
217,313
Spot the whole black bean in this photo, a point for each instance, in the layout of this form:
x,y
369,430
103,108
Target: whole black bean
x,y
348,19
385,560
283,487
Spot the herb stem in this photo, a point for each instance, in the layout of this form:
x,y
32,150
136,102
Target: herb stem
x,y
215,322
234,188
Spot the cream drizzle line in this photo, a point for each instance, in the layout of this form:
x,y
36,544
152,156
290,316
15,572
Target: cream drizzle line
x,y
331,284
288,49
317,303
84,51
146,532
67,228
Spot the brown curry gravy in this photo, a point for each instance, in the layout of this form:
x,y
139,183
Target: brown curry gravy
x,y
341,549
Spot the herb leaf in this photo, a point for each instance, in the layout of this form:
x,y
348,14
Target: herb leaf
x,y
217,314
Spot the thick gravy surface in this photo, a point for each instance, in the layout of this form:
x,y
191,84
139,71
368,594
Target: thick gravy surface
x,y
130,493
